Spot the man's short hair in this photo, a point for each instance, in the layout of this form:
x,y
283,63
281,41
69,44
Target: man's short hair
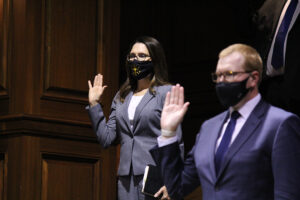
x,y
253,61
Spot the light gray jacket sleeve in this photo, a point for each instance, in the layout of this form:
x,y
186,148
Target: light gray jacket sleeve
x,y
105,131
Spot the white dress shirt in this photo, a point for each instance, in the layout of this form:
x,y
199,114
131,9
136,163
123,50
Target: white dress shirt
x,y
244,111
134,102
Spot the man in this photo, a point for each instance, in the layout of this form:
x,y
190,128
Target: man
x,y
251,151
273,28
278,38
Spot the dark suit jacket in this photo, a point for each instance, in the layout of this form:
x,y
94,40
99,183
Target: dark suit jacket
x,y
263,162
135,142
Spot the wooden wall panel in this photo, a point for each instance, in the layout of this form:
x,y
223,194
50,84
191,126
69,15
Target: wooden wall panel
x,y
4,30
66,177
70,57
79,40
84,167
49,49
4,12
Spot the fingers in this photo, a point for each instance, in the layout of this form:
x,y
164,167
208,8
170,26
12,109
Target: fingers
x,y
185,107
177,96
172,94
165,193
167,99
95,80
90,84
159,192
181,96
103,88
100,80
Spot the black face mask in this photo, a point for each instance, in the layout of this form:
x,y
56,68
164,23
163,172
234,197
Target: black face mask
x,y
230,94
140,69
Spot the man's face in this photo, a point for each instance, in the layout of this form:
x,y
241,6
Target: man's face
x,y
230,68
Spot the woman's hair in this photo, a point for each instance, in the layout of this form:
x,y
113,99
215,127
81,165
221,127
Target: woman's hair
x,y
160,69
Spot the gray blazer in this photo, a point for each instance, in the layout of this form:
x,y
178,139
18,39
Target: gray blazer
x,y
137,141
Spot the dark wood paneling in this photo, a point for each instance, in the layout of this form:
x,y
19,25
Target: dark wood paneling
x,y
71,37
65,177
55,168
23,167
74,164
4,30
3,176
80,39
49,50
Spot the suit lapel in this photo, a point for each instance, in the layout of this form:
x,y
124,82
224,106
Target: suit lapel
x,y
249,127
147,97
124,111
215,132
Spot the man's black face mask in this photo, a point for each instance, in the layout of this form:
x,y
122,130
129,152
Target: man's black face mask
x,y
230,94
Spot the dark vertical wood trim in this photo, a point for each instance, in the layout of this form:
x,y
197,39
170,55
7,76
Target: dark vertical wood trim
x,y
3,175
4,48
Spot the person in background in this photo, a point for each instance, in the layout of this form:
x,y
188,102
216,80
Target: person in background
x,y
272,27
250,151
134,120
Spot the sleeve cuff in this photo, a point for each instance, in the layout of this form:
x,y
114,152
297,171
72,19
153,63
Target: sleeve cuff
x,y
166,141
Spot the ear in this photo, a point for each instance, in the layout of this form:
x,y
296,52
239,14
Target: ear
x,y
254,79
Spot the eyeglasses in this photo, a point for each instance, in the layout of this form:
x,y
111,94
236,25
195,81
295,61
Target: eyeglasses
x,y
139,57
228,76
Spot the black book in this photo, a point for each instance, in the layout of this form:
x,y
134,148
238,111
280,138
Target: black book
x,y
152,181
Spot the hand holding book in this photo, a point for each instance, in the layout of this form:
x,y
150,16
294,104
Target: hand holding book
x,y
152,183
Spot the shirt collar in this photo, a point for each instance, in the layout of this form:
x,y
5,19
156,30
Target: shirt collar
x,y
248,107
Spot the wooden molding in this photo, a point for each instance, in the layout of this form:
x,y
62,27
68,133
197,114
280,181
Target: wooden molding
x,y
20,124
4,33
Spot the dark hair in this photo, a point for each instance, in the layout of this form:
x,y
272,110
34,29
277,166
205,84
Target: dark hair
x,y
160,75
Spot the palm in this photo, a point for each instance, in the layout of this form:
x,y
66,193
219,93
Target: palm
x,y
95,93
174,109
96,90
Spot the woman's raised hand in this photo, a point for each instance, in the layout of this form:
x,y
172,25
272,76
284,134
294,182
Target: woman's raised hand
x,y
96,90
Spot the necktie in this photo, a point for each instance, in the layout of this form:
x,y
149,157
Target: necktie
x,y
225,140
278,57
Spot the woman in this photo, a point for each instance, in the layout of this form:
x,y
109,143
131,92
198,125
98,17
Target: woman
x,y
134,120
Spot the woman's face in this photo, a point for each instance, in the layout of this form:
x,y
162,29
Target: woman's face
x,y
139,52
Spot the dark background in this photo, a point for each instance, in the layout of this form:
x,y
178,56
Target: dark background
x,y
192,34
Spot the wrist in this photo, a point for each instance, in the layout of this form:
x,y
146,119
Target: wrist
x,y
94,103
167,133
